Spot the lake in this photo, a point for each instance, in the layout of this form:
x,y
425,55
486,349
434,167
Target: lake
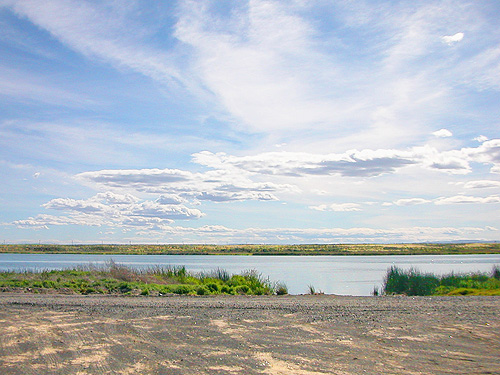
x,y
346,275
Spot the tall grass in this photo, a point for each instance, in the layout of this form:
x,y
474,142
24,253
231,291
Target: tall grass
x,y
116,278
415,283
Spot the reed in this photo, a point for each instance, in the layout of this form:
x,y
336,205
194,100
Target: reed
x,y
412,282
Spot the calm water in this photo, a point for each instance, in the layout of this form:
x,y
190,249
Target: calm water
x,y
353,275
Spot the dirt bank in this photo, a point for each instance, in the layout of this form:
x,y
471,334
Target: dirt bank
x,y
305,335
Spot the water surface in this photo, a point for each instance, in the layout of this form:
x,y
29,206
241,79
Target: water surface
x,y
348,275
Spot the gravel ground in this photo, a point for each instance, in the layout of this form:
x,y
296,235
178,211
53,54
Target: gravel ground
x,y
305,335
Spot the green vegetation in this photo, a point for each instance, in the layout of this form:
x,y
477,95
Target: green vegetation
x,y
415,283
118,279
311,249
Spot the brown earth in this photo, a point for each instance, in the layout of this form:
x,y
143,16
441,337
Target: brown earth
x,y
304,335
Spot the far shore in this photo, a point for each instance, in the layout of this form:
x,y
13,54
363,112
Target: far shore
x,y
257,250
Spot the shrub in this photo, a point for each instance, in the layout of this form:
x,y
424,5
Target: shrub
x,y
226,289
182,289
121,272
202,290
124,287
242,289
496,272
280,289
213,287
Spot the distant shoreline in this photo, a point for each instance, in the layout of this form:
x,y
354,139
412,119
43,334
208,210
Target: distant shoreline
x,y
259,250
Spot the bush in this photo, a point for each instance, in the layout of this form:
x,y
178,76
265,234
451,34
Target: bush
x,y
124,287
242,289
280,289
226,289
496,272
202,290
182,289
213,287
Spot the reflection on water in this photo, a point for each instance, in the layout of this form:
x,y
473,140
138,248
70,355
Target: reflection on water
x,y
354,275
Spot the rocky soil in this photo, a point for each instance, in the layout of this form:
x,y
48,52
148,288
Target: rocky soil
x,y
305,335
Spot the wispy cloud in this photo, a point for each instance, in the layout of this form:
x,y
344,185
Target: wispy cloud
x,y
24,86
411,201
92,141
458,199
338,207
482,184
265,63
99,31
221,234
157,229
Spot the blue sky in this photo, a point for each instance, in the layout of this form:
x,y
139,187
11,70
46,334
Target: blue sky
x,y
249,121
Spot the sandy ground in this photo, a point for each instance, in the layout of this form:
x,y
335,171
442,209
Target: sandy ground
x,y
304,335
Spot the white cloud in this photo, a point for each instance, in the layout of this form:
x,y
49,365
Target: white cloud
x,y
443,133
149,209
458,199
239,178
481,138
487,153
353,163
138,179
411,201
171,199
338,207
482,184
115,199
178,186
452,39
44,221
111,209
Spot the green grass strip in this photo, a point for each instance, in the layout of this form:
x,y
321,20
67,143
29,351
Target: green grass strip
x,y
114,278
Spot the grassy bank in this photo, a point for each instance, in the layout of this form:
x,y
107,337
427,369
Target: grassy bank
x,y
118,279
311,249
415,283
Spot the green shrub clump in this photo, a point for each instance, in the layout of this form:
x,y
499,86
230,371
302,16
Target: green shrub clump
x,y
415,283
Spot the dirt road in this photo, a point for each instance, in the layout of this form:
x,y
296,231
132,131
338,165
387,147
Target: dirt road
x,y
304,335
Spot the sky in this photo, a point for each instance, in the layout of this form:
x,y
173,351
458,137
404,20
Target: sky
x,y
223,122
